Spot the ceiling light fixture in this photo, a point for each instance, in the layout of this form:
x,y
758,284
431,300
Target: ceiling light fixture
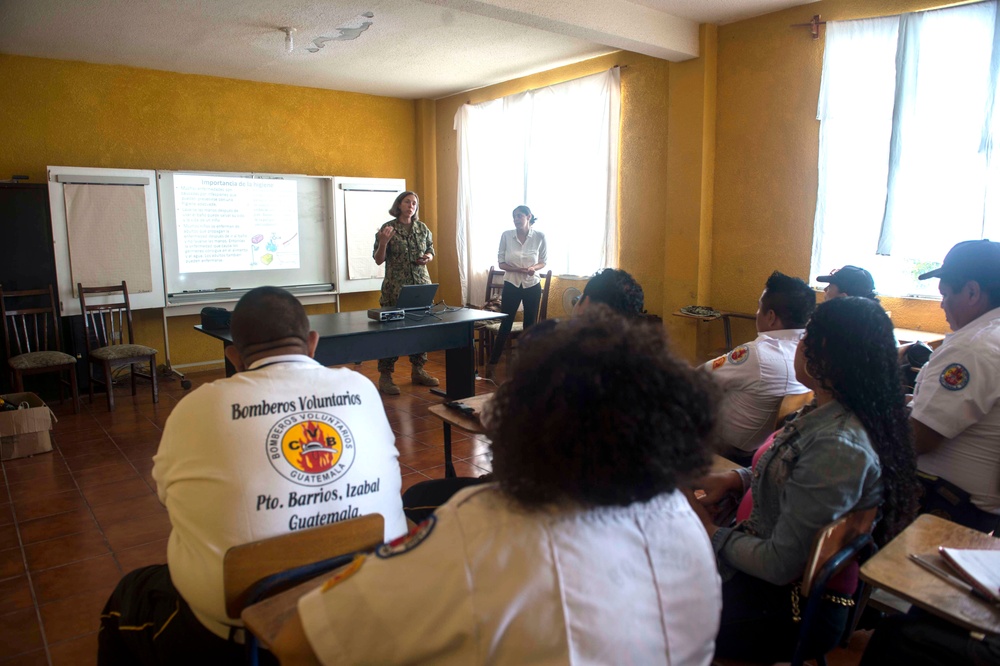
x,y
289,40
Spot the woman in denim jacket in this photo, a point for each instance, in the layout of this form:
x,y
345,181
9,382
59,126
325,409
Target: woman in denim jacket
x,y
848,451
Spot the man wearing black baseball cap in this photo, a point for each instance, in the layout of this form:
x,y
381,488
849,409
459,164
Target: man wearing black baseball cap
x,y
848,281
956,399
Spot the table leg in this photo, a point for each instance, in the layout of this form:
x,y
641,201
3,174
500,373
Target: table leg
x,y
449,466
729,332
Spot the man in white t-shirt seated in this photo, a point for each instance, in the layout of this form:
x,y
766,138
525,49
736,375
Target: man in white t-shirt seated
x,y
283,445
584,550
956,399
755,376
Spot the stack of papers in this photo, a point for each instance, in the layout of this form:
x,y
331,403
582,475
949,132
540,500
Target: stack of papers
x,y
980,568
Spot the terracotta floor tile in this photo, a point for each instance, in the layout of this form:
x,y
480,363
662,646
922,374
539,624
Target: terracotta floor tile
x,y
66,437
111,514
99,476
6,513
482,461
31,467
154,552
55,526
125,442
411,479
73,616
97,573
138,531
140,452
19,632
15,594
409,427
71,500
435,437
45,487
408,445
92,460
80,651
468,448
90,447
116,492
462,468
34,658
8,537
421,460
66,550
11,563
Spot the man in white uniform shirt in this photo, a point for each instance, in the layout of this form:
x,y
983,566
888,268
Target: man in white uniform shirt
x,y
583,552
283,445
755,376
956,399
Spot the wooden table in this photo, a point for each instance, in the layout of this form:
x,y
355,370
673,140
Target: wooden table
x,y
907,335
892,570
725,316
472,424
265,619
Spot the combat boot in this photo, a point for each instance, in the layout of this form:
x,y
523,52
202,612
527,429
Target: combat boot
x,y
420,376
386,385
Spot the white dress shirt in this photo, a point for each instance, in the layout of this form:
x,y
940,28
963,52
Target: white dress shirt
x,y
522,255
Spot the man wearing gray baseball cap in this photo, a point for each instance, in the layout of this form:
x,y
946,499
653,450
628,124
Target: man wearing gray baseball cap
x,y
956,399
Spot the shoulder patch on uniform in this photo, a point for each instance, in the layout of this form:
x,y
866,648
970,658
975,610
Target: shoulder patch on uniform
x,y
408,541
955,377
739,355
718,363
345,572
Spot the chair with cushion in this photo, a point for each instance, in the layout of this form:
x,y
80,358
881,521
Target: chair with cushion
x,y
254,571
31,334
106,323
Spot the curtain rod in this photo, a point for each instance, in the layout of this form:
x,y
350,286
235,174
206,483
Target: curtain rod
x,y
815,23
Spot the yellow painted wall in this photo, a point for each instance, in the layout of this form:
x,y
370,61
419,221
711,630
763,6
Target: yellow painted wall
x,y
78,114
766,157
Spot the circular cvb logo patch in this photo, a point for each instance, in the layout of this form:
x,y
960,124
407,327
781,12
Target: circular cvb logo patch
x,y
310,448
955,377
739,355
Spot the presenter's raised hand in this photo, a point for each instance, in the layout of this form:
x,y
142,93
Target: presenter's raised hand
x,y
386,235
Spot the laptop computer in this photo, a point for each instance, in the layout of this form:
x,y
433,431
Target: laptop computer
x,y
416,297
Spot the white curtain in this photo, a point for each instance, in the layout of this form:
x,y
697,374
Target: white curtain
x,y
905,168
554,149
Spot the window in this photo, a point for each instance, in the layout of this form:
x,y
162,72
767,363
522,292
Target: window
x,y
906,165
554,149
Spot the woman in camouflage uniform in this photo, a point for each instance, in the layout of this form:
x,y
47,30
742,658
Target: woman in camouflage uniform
x,y
405,245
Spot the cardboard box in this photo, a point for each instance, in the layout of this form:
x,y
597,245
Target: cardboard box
x,y
25,432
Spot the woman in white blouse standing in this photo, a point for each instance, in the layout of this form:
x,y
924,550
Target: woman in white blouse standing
x,y
521,256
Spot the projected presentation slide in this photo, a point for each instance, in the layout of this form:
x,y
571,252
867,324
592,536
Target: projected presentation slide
x,y
236,224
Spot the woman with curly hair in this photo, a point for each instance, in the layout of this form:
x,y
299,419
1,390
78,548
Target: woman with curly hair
x,y
849,451
583,551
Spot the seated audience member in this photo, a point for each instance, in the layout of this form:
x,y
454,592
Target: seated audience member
x,y
755,376
956,399
583,551
850,451
848,281
614,288
283,445
611,287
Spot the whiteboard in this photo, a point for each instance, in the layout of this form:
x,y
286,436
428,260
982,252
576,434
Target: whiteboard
x,y
106,253
300,258
361,206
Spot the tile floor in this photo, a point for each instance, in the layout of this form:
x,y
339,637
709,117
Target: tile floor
x,y
74,520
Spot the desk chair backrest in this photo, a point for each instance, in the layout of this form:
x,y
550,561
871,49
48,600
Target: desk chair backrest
x,y
106,323
494,286
789,405
543,307
835,547
30,321
247,565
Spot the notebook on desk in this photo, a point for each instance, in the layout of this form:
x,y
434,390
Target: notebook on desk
x,y
416,297
979,568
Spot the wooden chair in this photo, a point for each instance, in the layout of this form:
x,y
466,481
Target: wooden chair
x,y
493,327
105,325
31,334
790,404
837,546
834,548
494,288
259,569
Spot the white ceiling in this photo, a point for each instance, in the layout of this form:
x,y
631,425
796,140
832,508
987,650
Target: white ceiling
x,y
413,48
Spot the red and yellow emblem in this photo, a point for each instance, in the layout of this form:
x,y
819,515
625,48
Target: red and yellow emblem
x,y
955,377
718,363
739,355
310,448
